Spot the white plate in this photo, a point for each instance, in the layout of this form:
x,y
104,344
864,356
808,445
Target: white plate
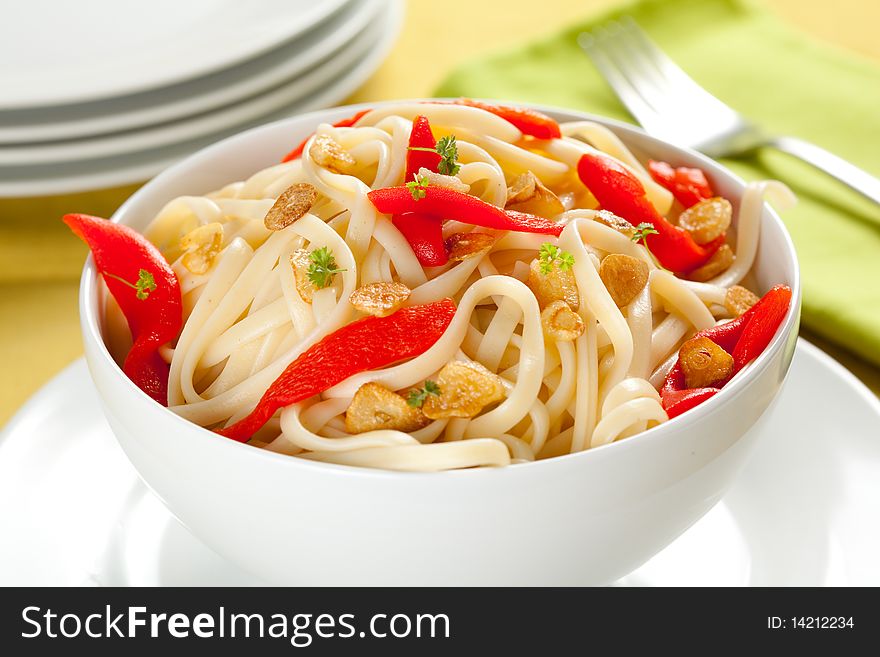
x,y
71,52
99,173
237,114
200,95
804,512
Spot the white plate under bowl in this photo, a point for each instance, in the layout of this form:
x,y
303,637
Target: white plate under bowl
x,y
202,94
804,512
56,53
100,173
235,115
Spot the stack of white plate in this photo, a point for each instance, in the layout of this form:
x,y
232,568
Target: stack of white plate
x,y
100,93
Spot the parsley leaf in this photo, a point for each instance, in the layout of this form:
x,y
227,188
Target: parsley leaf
x,y
447,149
322,268
417,186
642,231
566,261
640,235
144,284
417,396
550,255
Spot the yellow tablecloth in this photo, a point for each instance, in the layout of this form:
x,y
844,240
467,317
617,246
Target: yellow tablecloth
x,y
40,261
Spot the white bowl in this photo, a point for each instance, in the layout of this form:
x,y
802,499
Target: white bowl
x,y
587,518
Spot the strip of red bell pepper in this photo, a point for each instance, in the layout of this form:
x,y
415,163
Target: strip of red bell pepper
x,y
728,335
421,137
424,233
762,326
620,192
366,344
447,203
744,338
688,185
344,123
530,122
724,335
121,252
677,402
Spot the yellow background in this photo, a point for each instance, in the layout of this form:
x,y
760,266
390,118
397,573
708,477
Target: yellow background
x,y
40,261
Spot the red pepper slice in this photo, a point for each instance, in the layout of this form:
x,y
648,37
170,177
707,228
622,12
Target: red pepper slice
x,y
363,345
677,402
724,335
530,122
744,338
451,204
727,335
620,192
762,326
421,137
689,186
344,123
424,233
120,254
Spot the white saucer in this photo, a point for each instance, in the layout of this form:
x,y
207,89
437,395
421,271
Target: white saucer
x,y
805,511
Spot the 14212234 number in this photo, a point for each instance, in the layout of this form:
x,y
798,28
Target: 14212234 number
x,y
810,622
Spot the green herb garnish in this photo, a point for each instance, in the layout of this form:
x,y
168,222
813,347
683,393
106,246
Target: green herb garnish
x,y
640,234
417,186
642,231
322,268
144,284
550,255
417,396
447,149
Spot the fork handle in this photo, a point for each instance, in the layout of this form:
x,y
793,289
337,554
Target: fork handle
x,y
836,167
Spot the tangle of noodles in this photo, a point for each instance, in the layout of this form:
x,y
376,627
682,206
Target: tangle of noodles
x,y
245,321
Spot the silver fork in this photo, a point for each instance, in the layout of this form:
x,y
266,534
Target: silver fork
x,y
670,105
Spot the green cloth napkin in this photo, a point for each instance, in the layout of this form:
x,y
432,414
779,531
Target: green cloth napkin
x,y
780,79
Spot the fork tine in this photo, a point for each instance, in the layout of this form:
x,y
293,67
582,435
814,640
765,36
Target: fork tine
x,y
642,76
658,64
626,91
661,96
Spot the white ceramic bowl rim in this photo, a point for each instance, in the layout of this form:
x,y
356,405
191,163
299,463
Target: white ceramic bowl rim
x,y
88,308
